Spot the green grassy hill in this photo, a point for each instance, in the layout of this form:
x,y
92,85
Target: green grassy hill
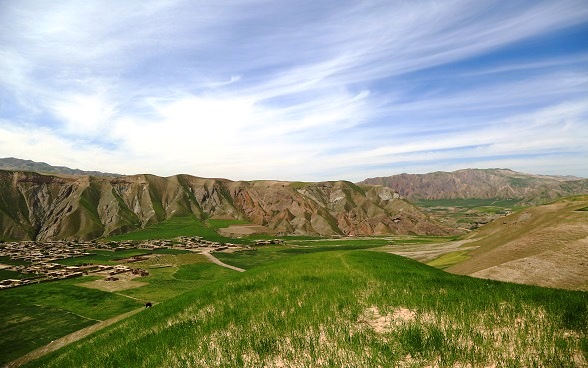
x,y
345,308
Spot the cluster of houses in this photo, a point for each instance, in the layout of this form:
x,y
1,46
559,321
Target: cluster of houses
x,y
43,252
38,259
268,242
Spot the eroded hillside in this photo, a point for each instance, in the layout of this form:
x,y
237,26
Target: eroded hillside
x,y
545,245
483,183
44,207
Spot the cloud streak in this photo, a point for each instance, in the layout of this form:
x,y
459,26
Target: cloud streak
x,y
298,91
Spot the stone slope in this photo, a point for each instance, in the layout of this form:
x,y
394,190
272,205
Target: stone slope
x,y
43,207
483,183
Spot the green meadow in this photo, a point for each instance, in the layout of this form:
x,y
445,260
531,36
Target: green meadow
x,y
32,316
181,226
342,307
470,203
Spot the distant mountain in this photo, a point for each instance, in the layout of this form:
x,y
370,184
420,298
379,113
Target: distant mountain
x,y
482,183
11,163
44,207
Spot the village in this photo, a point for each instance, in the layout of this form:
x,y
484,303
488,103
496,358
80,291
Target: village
x,y
36,261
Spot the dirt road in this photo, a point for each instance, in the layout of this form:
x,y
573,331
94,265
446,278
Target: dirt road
x,y
213,259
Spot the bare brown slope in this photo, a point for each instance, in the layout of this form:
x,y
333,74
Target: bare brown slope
x,y
545,245
44,207
483,183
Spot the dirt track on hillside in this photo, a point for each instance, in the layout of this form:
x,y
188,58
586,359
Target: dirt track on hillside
x,y
215,260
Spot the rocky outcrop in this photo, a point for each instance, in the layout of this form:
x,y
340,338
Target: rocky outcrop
x,y
487,183
43,207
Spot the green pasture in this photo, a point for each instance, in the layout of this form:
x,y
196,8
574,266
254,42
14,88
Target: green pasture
x,y
13,262
187,226
8,274
449,259
32,316
469,202
106,257
345,308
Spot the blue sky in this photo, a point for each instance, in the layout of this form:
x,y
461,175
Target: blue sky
x,y
296,90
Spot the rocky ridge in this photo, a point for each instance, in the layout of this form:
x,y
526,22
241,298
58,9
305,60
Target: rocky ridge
x,y
17,164
47,207
482,183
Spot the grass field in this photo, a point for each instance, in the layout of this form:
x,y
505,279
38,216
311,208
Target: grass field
x,y
8,274
174,274
106,257
178,226
469,213
449,259
469,202
266,254
344,308
14,262
33,315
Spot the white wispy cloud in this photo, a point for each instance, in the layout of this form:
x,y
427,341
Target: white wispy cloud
x,y
289,90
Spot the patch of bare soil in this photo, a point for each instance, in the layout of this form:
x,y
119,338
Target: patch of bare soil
x,y
124,282
382,323
244,230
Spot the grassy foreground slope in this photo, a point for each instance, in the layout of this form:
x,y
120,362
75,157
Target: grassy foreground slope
x,y
345,308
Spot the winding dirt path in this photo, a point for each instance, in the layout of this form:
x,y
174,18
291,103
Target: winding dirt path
x,y
213,259
68,339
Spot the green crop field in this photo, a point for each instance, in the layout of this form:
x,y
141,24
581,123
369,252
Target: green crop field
x,y
449,259
468,202
174,227
183,226
343,308
14,262
265,254
107,257
179,277
8,274
33,315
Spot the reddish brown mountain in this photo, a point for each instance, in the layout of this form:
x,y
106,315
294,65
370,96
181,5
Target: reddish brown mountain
x,y
40,206
487,183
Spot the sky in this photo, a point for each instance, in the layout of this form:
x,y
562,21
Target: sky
x,y
307,90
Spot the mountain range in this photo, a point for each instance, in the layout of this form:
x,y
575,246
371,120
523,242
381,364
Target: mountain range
x,y
483,183
46,206
17,164
43,202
